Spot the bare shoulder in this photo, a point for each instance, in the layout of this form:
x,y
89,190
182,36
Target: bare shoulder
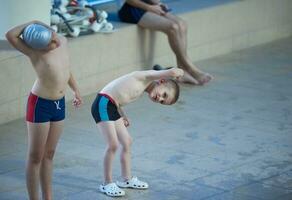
x,y
63,39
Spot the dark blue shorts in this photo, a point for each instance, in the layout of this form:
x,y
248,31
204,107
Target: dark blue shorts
x,y
130,14
44,110
104,108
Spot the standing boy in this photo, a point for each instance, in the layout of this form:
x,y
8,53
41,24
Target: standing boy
x,y
48,53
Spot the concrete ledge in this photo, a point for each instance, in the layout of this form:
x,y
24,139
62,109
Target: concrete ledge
x,y
97,59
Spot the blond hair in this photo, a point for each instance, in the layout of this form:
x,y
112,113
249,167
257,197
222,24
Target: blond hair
x,y
174,85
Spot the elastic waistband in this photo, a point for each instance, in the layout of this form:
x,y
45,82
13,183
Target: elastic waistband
x,y
109,97
34,95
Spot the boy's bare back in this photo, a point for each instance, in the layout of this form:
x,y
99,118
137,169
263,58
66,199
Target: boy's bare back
x,y
130,87
127,88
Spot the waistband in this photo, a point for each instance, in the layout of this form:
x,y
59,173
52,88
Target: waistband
x,y
109,97
34,95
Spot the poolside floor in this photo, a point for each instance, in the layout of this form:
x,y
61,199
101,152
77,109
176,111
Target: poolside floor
x,y
230,139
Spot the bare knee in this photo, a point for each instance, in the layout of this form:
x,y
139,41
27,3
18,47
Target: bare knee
x,y
49,154
35,158
127,145
173,30
183,26
112,147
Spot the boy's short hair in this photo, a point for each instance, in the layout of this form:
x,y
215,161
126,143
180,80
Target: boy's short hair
x,y
173,84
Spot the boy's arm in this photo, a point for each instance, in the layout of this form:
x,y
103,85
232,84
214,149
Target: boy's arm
x,y
77,101
155,8
13,37
174,73
125,118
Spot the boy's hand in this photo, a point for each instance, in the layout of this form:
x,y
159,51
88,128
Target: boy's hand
x,y
77,100
177,72
126,121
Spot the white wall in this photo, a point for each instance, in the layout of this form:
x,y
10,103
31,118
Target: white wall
x,y
15,12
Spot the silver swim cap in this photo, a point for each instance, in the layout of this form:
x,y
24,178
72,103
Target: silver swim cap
x,y
37,36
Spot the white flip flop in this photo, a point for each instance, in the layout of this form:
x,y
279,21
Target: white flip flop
x,y
134,182
112,190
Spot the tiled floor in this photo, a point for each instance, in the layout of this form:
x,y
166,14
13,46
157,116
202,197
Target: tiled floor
x,y
231,139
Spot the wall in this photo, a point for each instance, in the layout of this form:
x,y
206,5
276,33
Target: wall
x,y
14,12
97,59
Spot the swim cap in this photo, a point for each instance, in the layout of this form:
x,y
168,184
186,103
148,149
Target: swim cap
x,y
37,36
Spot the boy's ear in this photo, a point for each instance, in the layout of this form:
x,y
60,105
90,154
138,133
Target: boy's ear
x,y
57,41
162,81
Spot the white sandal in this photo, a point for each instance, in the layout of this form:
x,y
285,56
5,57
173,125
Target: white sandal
x,y
134,182
112,190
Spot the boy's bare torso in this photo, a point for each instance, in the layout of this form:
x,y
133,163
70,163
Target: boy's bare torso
x,y
53,72
126,89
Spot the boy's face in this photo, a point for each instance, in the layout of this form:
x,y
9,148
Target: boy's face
x,y
161,93
54,43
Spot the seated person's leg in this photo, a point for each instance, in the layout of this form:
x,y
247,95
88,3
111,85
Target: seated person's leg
x,y
202,77
155,22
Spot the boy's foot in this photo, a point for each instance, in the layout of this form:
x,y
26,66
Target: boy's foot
x,y
204,78
133,183
112,190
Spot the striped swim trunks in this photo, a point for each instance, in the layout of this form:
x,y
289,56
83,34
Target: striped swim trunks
x,y
104,108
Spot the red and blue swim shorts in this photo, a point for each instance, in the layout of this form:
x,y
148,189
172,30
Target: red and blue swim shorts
x,y
44,110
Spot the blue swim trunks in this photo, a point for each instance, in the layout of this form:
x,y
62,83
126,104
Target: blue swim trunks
x,y
130,14
104,108
44,110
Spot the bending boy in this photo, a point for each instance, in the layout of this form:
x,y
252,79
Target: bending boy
x,y
48,53
112,122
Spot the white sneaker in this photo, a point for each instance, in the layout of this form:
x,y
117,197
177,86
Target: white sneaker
x,y
133,183
112,190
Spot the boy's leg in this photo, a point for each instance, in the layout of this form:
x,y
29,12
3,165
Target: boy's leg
x,y
177,43
126,141
56,128
108,130
37,137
